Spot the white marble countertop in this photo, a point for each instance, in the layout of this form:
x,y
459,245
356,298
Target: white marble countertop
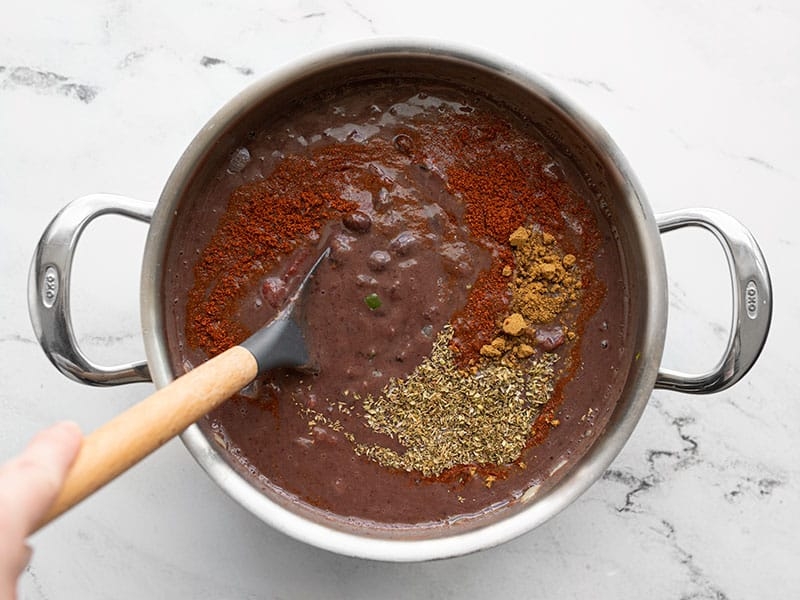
x,y
103,96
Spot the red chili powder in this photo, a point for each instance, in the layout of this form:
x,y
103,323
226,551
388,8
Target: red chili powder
x,y
264,221
502,188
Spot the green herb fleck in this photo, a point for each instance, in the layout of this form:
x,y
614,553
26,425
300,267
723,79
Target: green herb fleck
x,y
373,301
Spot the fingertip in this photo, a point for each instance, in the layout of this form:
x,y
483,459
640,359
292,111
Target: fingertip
x,y
37,474
58,444
69,428
62,433
70,438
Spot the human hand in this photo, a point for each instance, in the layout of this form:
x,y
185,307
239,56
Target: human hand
x,y
29,484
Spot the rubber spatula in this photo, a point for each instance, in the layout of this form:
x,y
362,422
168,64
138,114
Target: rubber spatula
x,y
125,440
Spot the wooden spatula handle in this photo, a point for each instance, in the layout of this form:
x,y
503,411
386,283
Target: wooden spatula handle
x,y
125,440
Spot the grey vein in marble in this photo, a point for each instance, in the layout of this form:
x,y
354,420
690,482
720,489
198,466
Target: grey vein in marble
x,y
17,338
304,17
678,301
211,61
361,16
108,340
133,57
707,589
47,81
637,485
755,160
37,585
760,162
589,83
102,340
760,487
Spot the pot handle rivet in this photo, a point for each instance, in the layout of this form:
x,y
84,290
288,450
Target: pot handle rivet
x,y
49,284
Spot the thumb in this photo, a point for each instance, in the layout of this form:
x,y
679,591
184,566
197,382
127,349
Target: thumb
x,y
30,482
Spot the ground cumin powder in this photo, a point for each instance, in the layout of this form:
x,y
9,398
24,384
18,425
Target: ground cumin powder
x,y
546,281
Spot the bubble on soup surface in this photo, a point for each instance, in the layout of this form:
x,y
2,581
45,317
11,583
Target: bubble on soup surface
x,y
407,264
323,434
340,486
379,260
304,442
252,390
363,280
239,160
274,291
403,143
456,258
550,338
404,243
383,201
341,246
553,171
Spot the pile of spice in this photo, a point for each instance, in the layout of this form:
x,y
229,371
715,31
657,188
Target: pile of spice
x,y
502,184
544,283
444,416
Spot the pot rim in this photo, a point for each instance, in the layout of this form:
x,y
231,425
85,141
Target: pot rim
x,y
641,379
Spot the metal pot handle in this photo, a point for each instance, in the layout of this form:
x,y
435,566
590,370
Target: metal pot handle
x,y
752,301
49,284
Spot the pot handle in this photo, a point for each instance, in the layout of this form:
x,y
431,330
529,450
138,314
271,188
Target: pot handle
x,y
752,301
49,289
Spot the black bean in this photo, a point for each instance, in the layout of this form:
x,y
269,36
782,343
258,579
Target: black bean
x,y
357,221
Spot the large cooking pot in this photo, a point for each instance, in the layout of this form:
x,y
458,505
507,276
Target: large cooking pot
x,y
617,193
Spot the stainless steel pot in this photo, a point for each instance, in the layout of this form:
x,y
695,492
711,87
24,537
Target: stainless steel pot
x,y
617,192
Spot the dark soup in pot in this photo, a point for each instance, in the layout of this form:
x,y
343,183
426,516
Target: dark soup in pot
x,y
466,331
